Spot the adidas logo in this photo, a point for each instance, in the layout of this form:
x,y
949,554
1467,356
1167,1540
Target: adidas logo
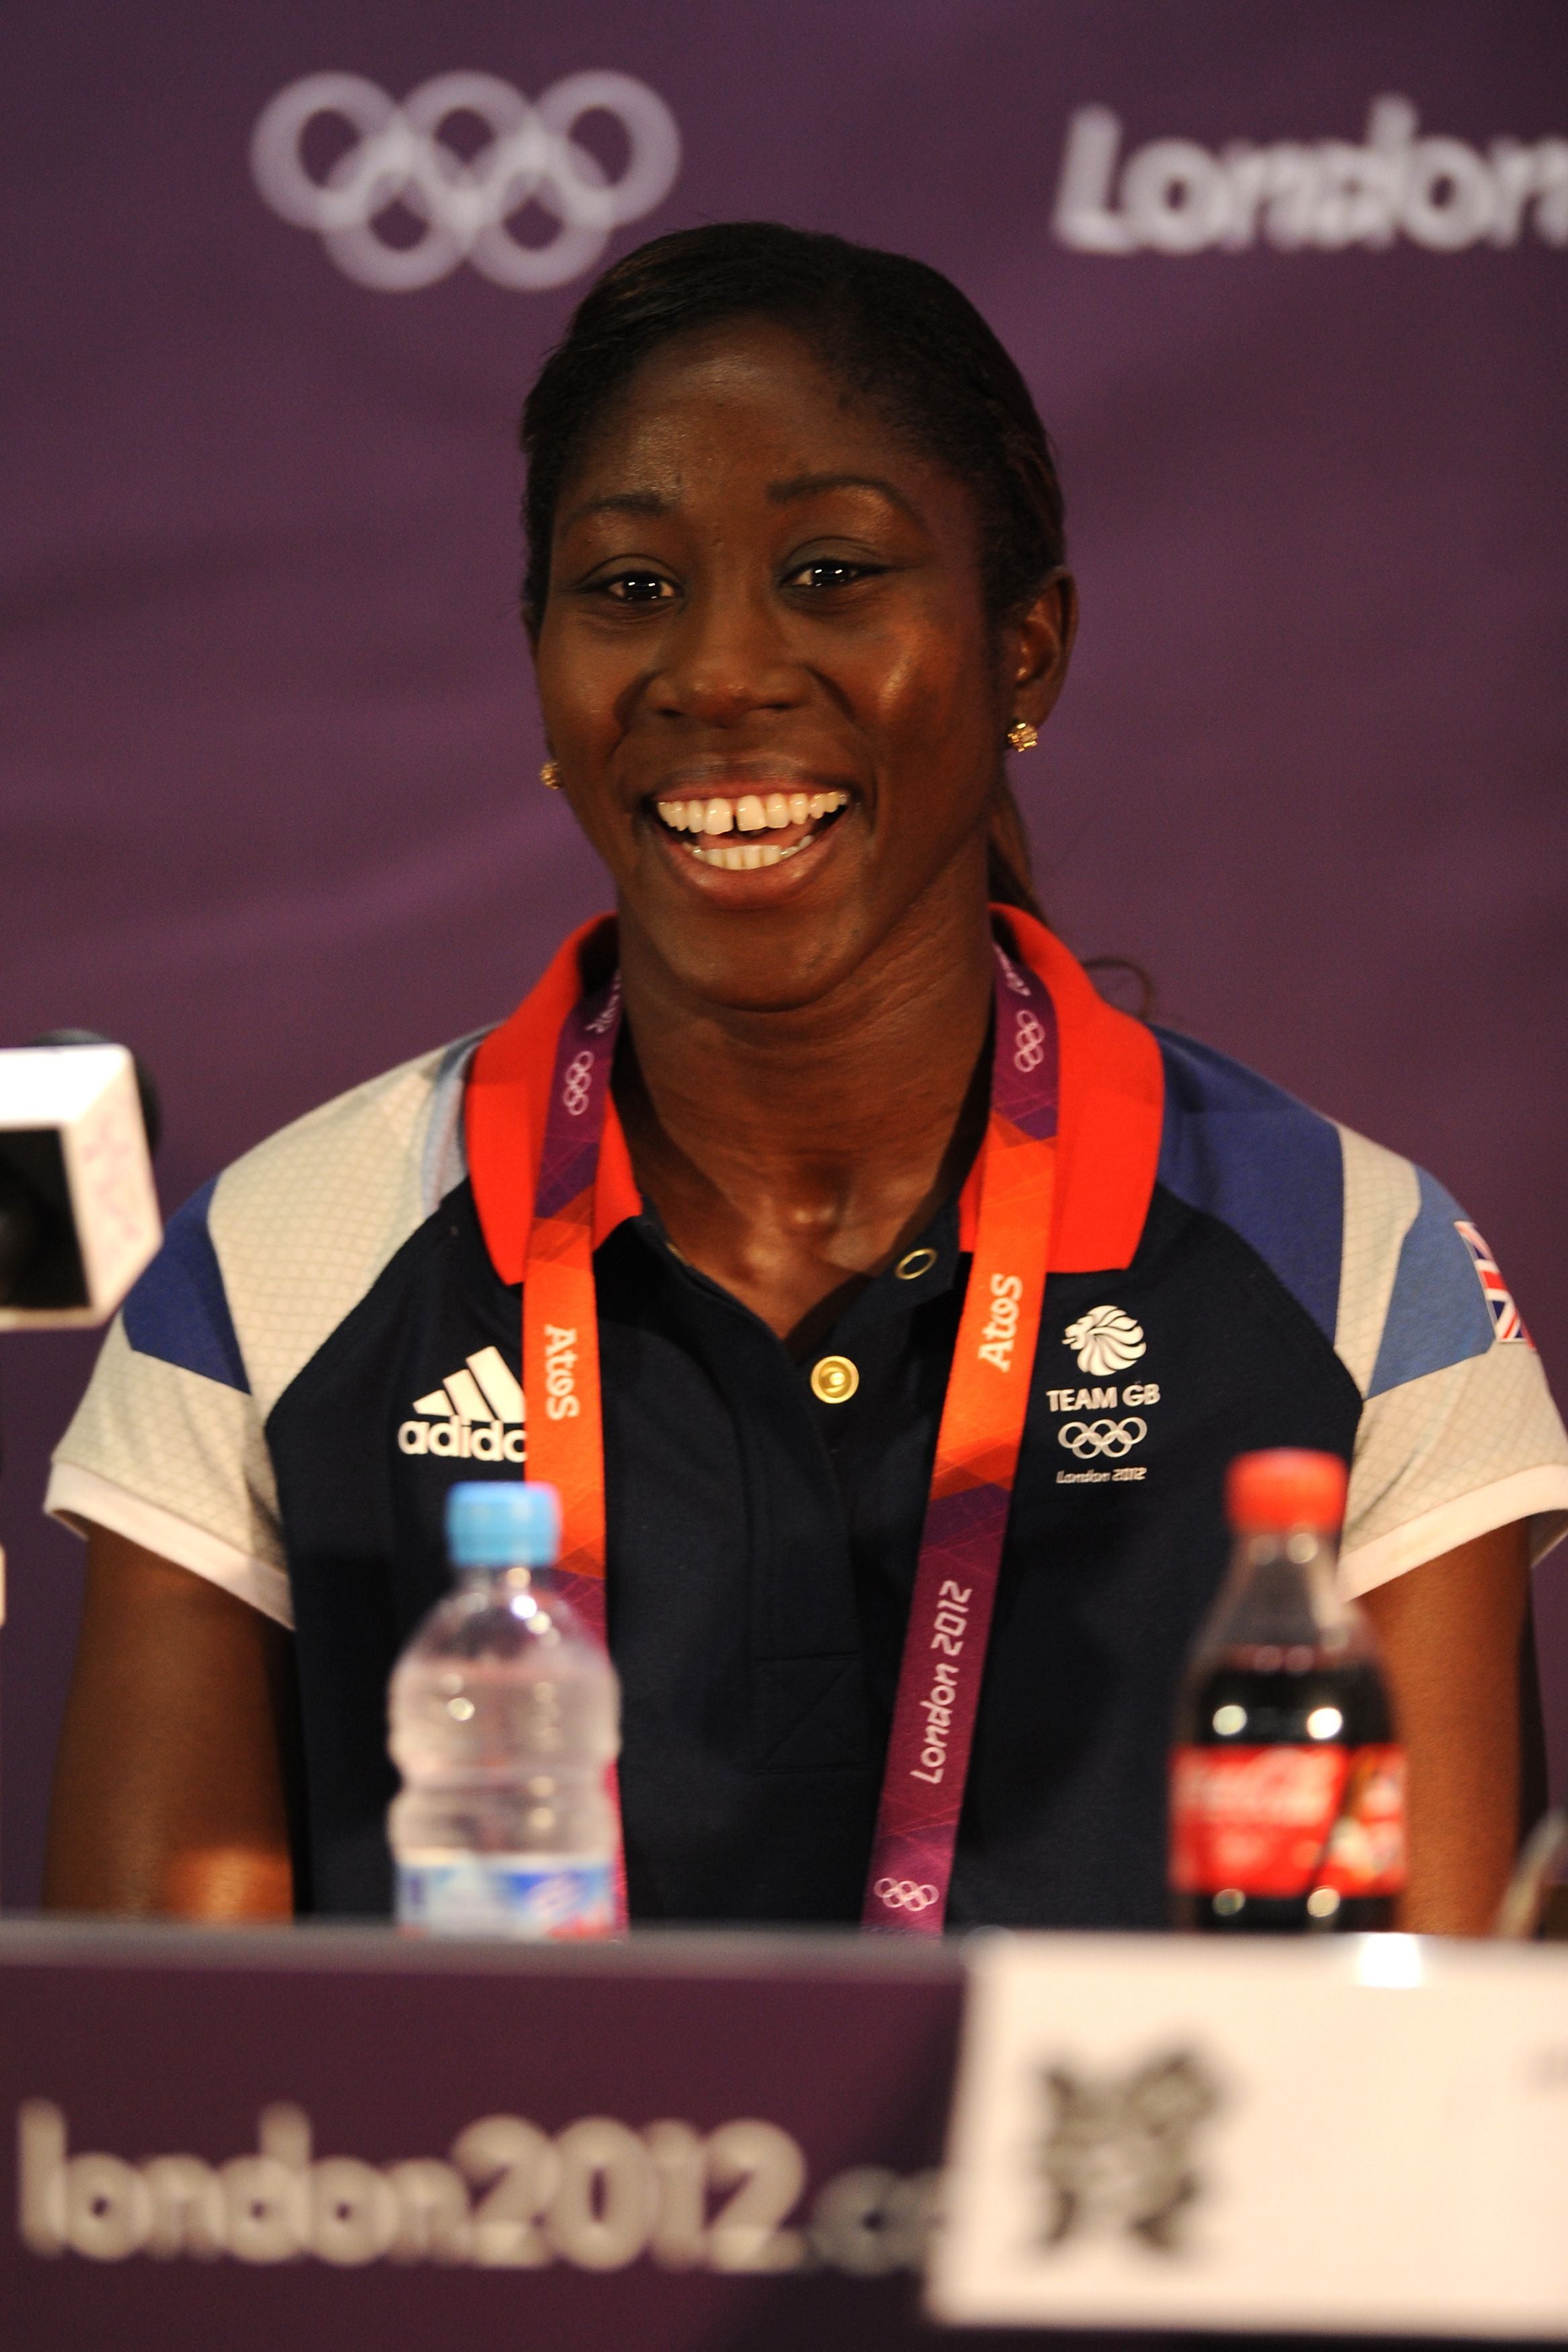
x,y
475,1415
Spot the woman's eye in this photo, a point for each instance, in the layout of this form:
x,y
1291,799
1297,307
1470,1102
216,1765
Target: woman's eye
x,y
828,571
637,587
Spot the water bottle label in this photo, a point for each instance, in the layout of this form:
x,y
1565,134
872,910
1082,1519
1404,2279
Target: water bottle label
x,y
1282,1820
535,1896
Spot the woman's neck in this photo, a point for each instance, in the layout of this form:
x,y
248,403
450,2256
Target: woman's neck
x,y
791,1154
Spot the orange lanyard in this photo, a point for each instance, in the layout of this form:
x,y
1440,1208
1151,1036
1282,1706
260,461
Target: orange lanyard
x,y
972,1481
976,1448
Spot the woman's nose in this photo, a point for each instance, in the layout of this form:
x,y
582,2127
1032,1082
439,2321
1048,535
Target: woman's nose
x,y
726,657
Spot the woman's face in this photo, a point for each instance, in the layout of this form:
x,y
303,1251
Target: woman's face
x,y
766,672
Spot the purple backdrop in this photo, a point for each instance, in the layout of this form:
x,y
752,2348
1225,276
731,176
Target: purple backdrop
x,y
270,808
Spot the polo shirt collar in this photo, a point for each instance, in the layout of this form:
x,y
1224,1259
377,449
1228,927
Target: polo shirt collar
x,y
1112,1102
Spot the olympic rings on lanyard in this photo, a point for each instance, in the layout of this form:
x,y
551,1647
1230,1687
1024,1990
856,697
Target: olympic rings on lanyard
x,y
578,1084
1029,1042
903,1894
1111,1438
399,158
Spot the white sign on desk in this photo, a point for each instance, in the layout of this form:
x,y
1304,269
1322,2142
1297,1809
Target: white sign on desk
x,y
1367,2134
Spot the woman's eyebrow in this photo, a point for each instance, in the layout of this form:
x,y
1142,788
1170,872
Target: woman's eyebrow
x,y
799,486
636,502
806,486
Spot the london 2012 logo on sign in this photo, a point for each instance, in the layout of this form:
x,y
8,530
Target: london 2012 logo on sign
x,y
1399,182
465,201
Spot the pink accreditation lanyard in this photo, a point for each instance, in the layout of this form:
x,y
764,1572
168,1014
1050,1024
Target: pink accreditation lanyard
x,y
976,1448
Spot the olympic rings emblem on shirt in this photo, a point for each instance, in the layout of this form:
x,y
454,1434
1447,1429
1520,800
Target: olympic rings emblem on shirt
x,y
903,1894
1029,1048
1111,1438
465,203
578,1084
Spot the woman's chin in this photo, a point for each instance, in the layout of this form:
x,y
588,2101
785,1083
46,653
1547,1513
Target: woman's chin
x,y
743,949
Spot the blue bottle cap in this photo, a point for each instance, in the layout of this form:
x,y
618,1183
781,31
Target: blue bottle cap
x,y
502,1523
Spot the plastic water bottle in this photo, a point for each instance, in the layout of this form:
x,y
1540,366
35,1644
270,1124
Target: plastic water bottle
x,y
505,1722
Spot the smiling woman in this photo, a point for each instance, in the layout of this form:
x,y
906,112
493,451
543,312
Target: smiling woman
x,y
849,1184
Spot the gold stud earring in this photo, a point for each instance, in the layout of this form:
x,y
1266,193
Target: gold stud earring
x,y
1022,736
550,775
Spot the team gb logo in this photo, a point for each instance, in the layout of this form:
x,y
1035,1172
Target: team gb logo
x,y
1106,1340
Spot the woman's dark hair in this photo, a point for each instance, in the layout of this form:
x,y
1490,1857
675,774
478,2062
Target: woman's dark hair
x,y
892,330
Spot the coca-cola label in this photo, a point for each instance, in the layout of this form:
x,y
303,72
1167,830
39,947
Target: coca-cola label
x,y
1282,1820
1366,1844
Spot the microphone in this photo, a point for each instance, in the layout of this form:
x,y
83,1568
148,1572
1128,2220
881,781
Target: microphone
x,y
79,1217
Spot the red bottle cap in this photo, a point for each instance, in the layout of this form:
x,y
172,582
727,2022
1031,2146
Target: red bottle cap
x,y
1285,1488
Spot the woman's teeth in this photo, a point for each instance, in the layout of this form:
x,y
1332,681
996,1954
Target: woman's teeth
x,y
753,812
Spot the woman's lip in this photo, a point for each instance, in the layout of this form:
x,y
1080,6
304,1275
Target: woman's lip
x,y
736,773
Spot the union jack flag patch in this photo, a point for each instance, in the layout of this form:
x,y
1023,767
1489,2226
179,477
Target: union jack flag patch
x,y
1507,1321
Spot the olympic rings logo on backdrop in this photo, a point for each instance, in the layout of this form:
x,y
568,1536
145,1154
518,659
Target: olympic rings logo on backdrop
x,y
903,1894
465,203
1028,1049
578,1084
1111,1438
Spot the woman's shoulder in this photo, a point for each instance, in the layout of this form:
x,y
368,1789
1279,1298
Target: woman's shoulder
x,y
267,1259
389,1145
1381,1255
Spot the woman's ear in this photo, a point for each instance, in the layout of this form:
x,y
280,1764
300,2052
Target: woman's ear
x,y
1040,645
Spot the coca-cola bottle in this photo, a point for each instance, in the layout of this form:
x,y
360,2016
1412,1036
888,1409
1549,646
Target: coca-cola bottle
x,y
1287,1780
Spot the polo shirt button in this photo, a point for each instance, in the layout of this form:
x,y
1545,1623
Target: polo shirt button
x,y
834,1379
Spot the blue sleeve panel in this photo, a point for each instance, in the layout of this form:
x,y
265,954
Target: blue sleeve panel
x,y
178,1310
1251,1155
1439,1314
